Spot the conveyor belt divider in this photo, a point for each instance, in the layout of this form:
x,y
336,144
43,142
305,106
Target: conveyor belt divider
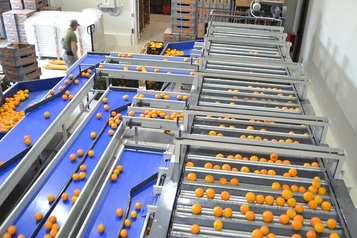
x,y
131,194
14,159
58,198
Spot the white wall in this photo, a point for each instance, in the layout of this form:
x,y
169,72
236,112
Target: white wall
x,y
329,57
117,30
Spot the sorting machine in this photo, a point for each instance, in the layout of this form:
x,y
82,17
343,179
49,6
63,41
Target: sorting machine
x,y
239,110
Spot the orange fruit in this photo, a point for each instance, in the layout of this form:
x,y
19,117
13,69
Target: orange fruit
x,y
38,216
245,169
312,189
51,198
114,177
124,233
234,182
134,214
227,212
331,224
315,164
257,233
244,208
271,172
119,212
280,201
271,235
294,188
217,211
308,196
199,192
322,191
267,216
101,228
127,222
310,234
275,186
208,166
302,189
265,230
223,181
312,204
238,156
217,167
291,202
319,228
48,225
47,115
75,176
83,167
269,200
286,194
218,225
296,236
326,206
299,208
72,157
250,215
318,199
259,199
316,183
334,235
299,218
274,157
285,187
226,167
213,133
210,193
80,152
195,229
293,172
209,178
52,219
225,195
284,219
291,213
250,197
6,235
64,196
190,164
196,208
11,230
191,177
314,221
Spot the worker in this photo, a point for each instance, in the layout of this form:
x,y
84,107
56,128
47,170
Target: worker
x,y
69,44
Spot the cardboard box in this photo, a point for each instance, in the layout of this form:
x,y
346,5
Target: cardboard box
x,y
183,7
183,15
18,71
18,61
50,8
200,30
183,22
5,6
183,29
17,6
188,37
15,50
185,1
243,3
25,77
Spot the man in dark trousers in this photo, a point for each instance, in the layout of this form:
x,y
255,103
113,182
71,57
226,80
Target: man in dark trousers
x,y
69,44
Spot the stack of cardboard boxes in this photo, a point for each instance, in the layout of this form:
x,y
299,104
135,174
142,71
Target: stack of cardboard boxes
x,y
14,21
27,4
19,62
188,18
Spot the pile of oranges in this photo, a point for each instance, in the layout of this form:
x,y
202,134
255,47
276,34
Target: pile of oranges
x,y
9,117
165,96
154,114
172,52
86,73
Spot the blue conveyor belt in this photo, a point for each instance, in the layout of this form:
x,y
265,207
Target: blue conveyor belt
x,y
149,69
137,166
34,123
6,172
64,169
155,57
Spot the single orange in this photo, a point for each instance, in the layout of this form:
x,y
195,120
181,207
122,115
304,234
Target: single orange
x,y
269,200
299,208
127,222
284,219
38,216
250,197
334,235
275,186
268,216
195,229
299,218
286,194
331,224
225,195
217,211
199,192
191,177
314,221
196,208
218,225
250,215
244,208
124,233
274,157
291,213
119,212
64,196
226,167
271,235
265,230
234,182
259,199
257,233
209,179
223,181
311,234
51,198
210,193
294,188
11,230
227,212
291,202
134,214
101,228
322,191
319,227
326,206
308,196
280,201
296,236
